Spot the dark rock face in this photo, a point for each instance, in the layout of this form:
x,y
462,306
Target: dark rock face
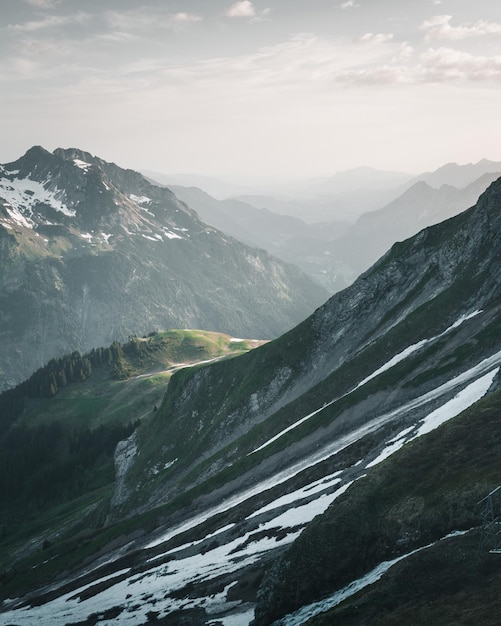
x,y
92,253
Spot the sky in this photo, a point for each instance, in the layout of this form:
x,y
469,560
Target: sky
x,y
247,89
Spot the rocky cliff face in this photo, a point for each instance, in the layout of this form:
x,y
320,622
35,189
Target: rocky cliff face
x,y
93,253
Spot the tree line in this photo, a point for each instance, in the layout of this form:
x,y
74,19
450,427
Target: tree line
x,y
71,368
46,464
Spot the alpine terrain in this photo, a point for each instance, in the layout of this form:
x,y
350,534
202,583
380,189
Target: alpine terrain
x,y
91,253
333,475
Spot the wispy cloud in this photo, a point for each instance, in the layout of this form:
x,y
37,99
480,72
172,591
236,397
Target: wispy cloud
x,y
139,20
186,17
447,64
245,8
50,22
42,4
442,65
439,27
350,4
376,37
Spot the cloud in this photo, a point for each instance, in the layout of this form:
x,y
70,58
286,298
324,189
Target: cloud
x,y
186,17
43,4
247,9
241,9
350,4
52,21
439,27
442,65
139,20
447,64
375,38
262,16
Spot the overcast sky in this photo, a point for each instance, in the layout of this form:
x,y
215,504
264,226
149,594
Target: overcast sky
x,y
278,88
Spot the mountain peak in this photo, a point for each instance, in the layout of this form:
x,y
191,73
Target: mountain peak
x,y
34,156
72,154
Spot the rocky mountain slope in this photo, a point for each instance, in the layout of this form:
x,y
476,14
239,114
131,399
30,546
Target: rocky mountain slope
x,y
91,253
242,455
418,514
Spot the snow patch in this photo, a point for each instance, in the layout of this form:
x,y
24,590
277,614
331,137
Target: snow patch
x,y
464,399
83,165
140,199
305,613
170,235
23,194
415,347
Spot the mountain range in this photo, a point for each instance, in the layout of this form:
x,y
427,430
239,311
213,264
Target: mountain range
x,y
91,253
288,238
334,253
338,467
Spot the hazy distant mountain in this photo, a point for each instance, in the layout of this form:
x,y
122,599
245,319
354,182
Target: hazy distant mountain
x,y
213,186
91,253
288,238
354,180
418,207
344,206
459,176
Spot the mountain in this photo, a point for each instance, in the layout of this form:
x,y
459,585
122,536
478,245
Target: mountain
x,y
380,410
285,237
213,186
312,209
420,206
358,178
91,253
459,176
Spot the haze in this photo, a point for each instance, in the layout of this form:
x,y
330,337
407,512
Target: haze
x,y
272,88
